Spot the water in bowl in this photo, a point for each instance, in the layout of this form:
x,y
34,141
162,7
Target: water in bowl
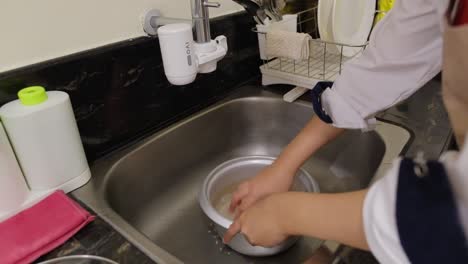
x,y
222,200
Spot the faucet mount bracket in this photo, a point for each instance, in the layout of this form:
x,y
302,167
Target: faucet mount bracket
x,y
153,19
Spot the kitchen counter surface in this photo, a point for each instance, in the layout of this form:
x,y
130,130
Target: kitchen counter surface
x,y
99,238
423,114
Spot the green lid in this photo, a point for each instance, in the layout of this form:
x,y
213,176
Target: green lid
x,y
32,95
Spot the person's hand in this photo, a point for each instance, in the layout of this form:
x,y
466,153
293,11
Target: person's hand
x,y
271,179
263,224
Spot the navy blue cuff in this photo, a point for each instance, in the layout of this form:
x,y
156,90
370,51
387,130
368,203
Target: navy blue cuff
x,y
316,93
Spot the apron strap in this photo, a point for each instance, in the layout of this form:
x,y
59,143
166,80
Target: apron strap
x,y
427,217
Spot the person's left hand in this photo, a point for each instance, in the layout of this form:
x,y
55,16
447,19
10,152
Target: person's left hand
x,y
262,224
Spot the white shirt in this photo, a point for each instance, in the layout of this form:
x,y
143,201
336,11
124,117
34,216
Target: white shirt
x,y
380,207
404,52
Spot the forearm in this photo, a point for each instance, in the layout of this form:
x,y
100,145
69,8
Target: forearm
x,y
313,136
335,217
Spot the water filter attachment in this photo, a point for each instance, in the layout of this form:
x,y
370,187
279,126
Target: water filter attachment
x,y
182,58
178,55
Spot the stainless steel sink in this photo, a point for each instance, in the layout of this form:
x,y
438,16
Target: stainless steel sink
x,y
149,191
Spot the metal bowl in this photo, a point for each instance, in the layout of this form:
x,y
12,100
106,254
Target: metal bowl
x,y
233,172
80,259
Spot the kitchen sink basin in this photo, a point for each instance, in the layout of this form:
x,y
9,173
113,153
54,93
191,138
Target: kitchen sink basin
x,y
149,191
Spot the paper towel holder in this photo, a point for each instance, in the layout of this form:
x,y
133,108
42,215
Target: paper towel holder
x,y
30,123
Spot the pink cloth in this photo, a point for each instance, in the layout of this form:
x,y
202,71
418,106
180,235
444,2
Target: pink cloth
x,y
41,228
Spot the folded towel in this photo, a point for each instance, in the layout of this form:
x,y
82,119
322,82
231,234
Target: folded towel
x,y
41,228
287,44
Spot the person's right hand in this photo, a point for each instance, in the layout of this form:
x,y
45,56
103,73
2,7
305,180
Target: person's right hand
x,y
268,181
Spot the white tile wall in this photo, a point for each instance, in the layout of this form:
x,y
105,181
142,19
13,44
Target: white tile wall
x,y
32,31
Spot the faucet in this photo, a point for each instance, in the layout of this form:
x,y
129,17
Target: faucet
x,y
201,19
208,51
183,57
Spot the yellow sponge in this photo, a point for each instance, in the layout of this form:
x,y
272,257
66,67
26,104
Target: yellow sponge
x,y
383,7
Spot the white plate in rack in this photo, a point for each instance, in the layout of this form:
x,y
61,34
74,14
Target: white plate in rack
x,y
352,21
325,17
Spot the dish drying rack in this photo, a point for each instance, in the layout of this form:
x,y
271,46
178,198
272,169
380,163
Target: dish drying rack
x,y
325,63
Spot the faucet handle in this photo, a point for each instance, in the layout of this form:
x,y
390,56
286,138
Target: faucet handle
x,y
211,4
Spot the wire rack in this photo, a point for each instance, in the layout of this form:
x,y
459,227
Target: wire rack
x,y
325,61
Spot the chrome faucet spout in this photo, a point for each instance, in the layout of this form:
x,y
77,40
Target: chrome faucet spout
x,y
201,19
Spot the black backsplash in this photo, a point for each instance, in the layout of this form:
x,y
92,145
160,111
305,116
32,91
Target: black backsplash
x,y
119,93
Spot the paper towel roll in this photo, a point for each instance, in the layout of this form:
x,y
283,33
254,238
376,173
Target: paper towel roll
x,y
13,188
46,141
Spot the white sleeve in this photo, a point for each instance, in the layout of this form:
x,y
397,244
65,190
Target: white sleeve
x,y
379,215
456,165
404,52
